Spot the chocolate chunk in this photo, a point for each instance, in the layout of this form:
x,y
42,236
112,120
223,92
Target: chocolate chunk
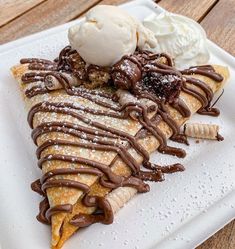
x,y
71,62
145,71
146,57
126,73
77,66
165,86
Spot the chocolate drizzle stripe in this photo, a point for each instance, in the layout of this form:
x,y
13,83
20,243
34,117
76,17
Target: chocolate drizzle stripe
x,y
206,70
163,114
205,109
45,212
121,134
64,171
42,67
36,186
69,128
148,56
65,183
163,147
204,100
79,93
36,60
174,127
44,206
195,94
205,88
172,168
35,90
84,220
101,145
134,60
30,77
44,106
181,107
66,208
153,68
72,159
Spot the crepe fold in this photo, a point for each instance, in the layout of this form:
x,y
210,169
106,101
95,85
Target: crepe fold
x,y
60,221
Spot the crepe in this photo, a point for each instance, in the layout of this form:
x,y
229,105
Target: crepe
x,y
72,150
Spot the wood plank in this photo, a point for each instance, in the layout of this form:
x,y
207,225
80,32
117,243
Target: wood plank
x,y
114,2
110,2
10,9
225,238
220,25
44,16
191,8
117,2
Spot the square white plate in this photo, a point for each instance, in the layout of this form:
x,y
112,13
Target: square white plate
x,y
180,212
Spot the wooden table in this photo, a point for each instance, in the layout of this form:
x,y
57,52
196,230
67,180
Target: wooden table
x,y
19,18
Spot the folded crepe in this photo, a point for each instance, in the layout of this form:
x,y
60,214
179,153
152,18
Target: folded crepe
x,y
91,143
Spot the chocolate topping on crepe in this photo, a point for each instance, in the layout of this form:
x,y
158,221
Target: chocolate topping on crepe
x,y
147,76
126,73
143,72
164,86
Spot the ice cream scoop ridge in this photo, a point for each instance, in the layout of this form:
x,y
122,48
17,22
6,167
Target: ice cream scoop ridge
x,y
107,34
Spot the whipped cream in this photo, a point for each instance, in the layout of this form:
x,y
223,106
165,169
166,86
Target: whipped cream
x,y
146,39
180,37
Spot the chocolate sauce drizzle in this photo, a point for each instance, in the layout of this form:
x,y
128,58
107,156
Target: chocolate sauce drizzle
x,y
126,74
207,71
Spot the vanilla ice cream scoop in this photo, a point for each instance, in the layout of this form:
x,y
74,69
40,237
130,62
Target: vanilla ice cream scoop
x,y
180,37
107,34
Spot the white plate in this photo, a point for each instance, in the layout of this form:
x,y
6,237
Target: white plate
x,y
178,213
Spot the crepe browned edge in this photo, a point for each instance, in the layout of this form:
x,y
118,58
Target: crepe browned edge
x,y
149,143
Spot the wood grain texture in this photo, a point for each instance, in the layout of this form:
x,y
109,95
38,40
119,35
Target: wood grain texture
x,y
118,2
48,14
195,9
220,25
10,9
114,2
224,239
